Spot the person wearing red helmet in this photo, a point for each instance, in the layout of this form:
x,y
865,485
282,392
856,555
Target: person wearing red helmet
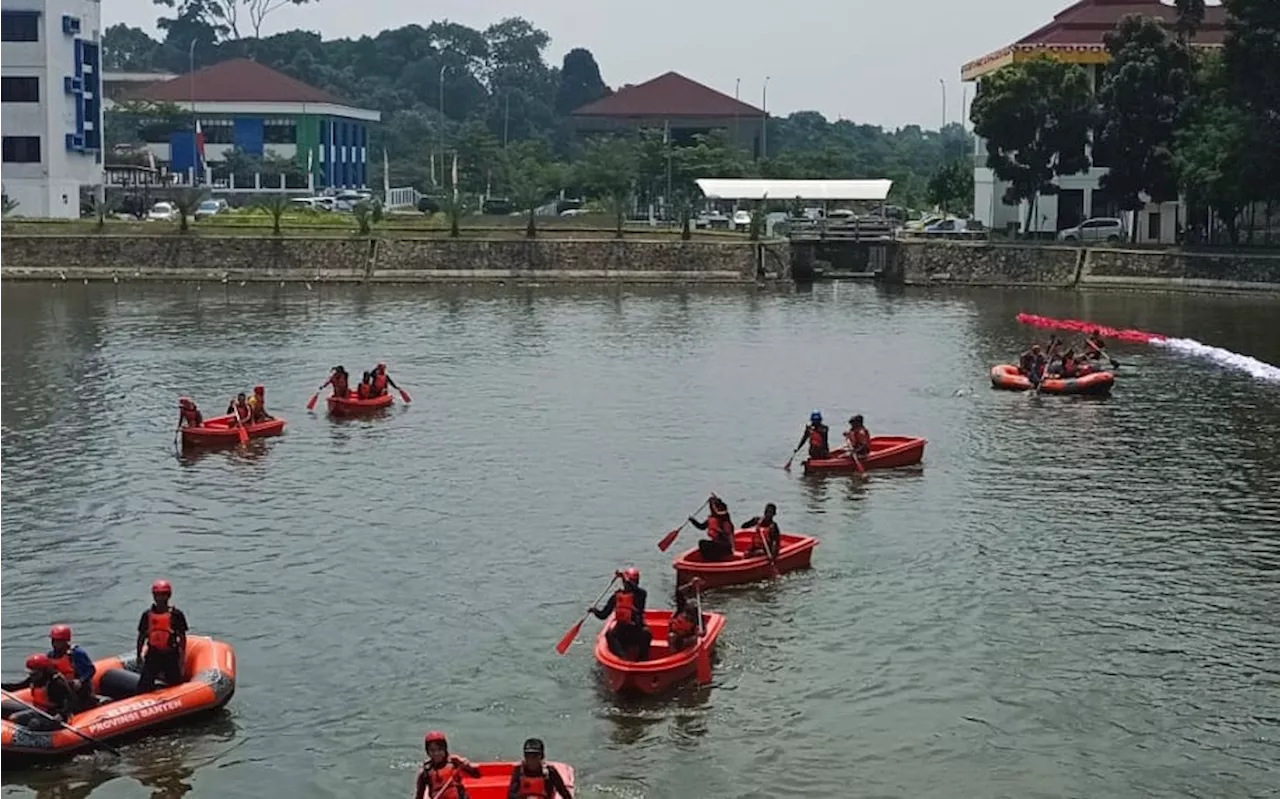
x,y
48,692
73,663
188,414
381,380
258,404
441,774
162,630
629,631
534,779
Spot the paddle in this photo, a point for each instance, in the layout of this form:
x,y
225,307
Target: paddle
x,y
670,538
764,541
787,466
704,651
455,780
404,395
567,640
65,725
311,403
240,429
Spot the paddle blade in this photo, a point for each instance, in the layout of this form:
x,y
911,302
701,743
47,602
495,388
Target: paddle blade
x,y
857,464
311,403
244,435
567,640
704,663
668,539
787,466
404,395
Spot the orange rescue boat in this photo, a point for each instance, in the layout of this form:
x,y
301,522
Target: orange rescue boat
x,y
210,673
353,405
664,668
218,431
795,553
495,778
1010,378
887,452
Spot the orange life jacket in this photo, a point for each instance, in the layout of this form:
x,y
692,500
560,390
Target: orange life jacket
x,y
160,630
816,439
536,786
362,390
191,416
64,665
440,776
40,697
379,383
241,411
682,625
340,386
719,529
624,607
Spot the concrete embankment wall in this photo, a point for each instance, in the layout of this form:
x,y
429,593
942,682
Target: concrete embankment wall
x,y
192,257
987,264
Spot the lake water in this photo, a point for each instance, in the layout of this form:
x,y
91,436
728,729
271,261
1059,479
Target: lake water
x,y
1071,598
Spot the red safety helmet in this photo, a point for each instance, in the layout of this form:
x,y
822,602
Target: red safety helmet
x,y
382,367
258,390
436,737
631,575
161,587
60,632
39,662
185,402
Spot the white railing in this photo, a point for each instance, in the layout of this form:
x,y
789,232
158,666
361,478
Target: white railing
x,y
404,197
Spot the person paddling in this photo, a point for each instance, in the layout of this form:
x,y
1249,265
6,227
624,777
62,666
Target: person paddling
x,y
258,403
718,545
74,664
162,630
629,630
49,692
683,629
239,409
188,414
1032,364
857,438
365,389
815,434
766,536
533,777
381,380
1095,345
441,774
340,380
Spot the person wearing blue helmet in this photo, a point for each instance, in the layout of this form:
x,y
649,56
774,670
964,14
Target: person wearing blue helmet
x,y
815,433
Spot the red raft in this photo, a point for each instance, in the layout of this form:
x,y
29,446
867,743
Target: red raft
x,y
222,430
496,777
664,668
1010,378
352,405
795,553
209,669
887,452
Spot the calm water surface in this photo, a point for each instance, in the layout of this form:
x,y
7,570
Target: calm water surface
x,y
1072,598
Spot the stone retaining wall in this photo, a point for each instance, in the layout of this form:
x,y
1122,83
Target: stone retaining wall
x,y
194,257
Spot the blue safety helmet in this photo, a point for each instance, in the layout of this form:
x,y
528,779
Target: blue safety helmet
x,y
816,416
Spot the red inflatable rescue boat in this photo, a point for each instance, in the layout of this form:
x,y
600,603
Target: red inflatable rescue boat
x,y
887,452
664,668
222,431
352,405
1010,378
209,669
795,553
495,778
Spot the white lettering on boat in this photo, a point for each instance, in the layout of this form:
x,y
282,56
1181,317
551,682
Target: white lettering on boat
x,y
131,712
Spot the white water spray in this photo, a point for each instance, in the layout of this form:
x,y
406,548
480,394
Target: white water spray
x,y
1255,367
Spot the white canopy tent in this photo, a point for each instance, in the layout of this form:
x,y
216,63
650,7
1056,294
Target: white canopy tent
x,y
826,190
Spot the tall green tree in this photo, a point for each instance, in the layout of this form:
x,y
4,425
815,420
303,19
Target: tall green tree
x,y
1141,102
580,81
1036,118
231,15
1251,61
951,187
1190,16
608,169
1212,153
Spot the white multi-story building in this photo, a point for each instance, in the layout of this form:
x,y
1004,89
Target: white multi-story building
x,y
51,119
1076,36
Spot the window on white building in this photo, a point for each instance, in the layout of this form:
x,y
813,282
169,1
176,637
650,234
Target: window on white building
x,y
21,149
279,131
20,26
20,90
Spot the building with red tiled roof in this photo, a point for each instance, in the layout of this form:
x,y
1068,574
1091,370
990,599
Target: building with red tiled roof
x,y
676,103
1076,35
241,104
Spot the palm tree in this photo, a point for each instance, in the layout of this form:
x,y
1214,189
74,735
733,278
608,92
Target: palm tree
x,y
187,201
363,213
454,206
276,205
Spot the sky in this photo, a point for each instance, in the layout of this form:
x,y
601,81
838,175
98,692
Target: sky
x,y
871,61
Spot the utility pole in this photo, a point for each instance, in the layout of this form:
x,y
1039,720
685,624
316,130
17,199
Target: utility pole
x,y
191,92
764,128
443,68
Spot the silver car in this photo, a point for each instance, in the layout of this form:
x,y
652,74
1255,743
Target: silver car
x,y
1102,228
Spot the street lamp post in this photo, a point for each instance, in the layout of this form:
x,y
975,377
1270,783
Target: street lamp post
x,y
764,128
443,69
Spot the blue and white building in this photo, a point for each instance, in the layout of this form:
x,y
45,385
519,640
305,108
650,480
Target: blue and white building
x,y
51,109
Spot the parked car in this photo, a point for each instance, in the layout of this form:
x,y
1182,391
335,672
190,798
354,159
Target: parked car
x,y
923,222
210,208
947,226
741,220
163,212
313,203
1102,228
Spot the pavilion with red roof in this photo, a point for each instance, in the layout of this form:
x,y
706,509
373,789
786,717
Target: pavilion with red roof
x,y
243,104
673,102
1076,35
